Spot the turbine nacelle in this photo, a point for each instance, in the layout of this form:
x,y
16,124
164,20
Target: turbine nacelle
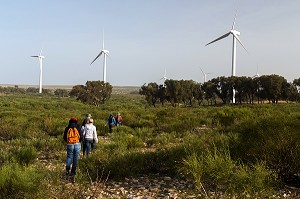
x,y
105,51
235,32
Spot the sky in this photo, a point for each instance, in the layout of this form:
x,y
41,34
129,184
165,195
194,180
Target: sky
x,y
145,38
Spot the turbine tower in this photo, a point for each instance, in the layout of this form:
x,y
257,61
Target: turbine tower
x,y
40,57
105,53
204,75
235,35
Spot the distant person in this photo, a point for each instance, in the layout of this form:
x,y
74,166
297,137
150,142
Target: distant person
x,y
72,137
89,136
84,122
111,121
119,119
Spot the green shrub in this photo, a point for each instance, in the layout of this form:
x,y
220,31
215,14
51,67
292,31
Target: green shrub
x,y
274,139
26,155
16,180
217,171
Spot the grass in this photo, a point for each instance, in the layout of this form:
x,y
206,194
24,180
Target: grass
x,y
242,149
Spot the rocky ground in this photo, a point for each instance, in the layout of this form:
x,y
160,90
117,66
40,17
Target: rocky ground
x,y
163,187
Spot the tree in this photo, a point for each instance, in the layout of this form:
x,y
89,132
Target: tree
x,y
222,87
272,86
61,92
94,92
174,91
150,92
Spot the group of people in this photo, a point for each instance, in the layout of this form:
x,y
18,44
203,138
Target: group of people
x,y
114,121
74,135
86,136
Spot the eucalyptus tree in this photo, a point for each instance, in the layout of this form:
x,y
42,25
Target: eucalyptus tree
x,y
186,91
208,92
198,93
222,87
243,87
150,92
94,92
296,82
272,87
174,91
162,94
290,92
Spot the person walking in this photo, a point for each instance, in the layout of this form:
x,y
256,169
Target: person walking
x,y
84,122
89,136
111,121
72,137
119,119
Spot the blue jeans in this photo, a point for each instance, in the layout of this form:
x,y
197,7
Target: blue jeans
x,y
73,151
87,146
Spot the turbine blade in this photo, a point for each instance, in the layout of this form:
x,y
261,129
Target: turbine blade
x,y
97,57
237,38
234,20
103,40
34,56
201,70
226,35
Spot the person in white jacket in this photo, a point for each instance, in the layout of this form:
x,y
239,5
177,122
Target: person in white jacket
x,y
89,136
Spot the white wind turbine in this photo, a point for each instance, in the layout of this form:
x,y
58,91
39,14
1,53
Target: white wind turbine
x,y
164,77
204,75
105,53
40,57
235,35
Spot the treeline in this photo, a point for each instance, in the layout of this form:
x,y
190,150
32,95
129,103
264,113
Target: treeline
x,y
93,92
271,88
33,90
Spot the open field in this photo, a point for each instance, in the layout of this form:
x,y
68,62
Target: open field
x,y
246,150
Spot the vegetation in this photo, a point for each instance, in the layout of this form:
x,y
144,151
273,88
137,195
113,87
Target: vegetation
x,y
272,88
244,149
93,93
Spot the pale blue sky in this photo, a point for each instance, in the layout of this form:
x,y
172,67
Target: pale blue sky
x,y
144,38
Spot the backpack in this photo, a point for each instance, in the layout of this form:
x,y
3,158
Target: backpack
x,y
120,118
110,120
73,136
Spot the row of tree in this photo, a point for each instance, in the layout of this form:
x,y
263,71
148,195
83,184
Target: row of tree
x,y
32,90
247,90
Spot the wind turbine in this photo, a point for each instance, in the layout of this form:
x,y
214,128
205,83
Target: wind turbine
x,y
204,74
40,57
105,53
164,77
235,35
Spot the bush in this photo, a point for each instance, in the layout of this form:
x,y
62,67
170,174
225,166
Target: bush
x,y
17,181
273,139
217,171
26,155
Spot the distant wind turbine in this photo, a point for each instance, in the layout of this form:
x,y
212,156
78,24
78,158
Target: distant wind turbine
x,y
105,53
235,35
204,75
40,57
164,77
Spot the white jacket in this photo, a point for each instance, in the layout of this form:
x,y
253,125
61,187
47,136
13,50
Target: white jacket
x,y
89,132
